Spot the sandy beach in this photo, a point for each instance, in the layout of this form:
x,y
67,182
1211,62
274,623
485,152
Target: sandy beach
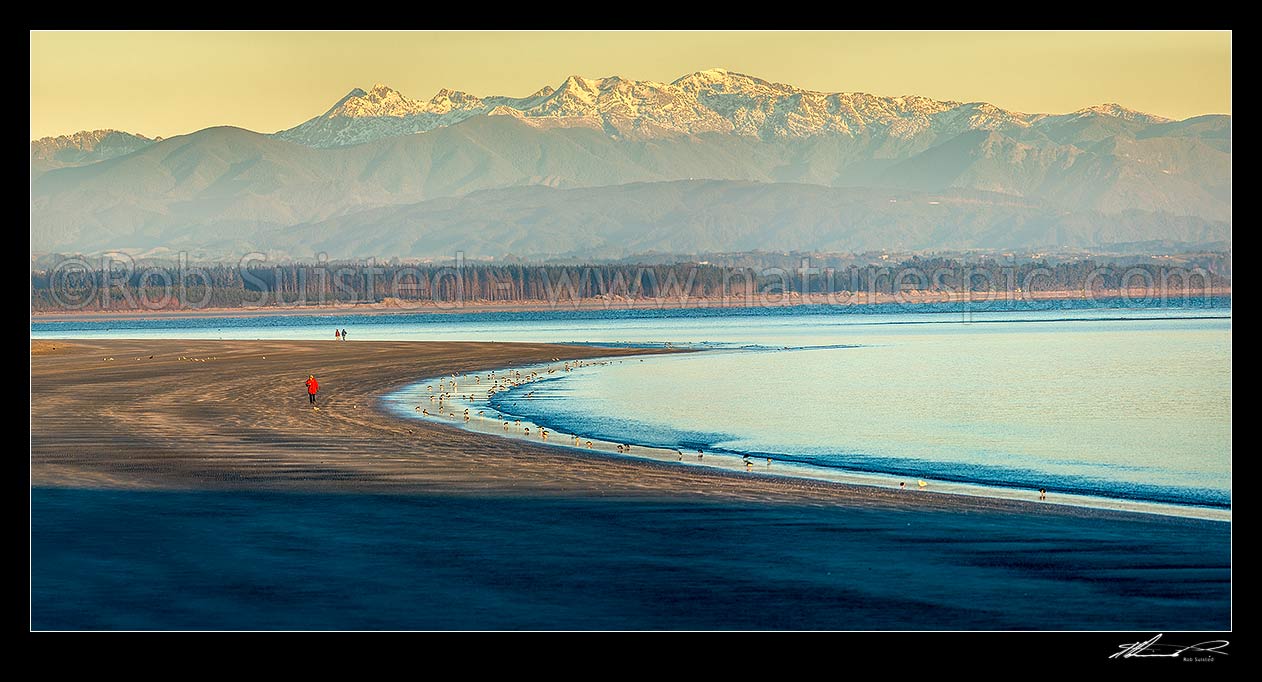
x,y
122,423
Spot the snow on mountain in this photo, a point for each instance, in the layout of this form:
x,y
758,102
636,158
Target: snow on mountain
x,y
710,101
85,146
379,101
623,108
764,109
1119,111
363,116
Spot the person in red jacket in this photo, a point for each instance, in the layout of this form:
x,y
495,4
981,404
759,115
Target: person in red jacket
x,y
312,387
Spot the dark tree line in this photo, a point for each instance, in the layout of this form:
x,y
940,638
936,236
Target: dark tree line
x,y
74,284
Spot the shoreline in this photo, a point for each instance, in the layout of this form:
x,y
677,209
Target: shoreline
x,y
213,415
401,399
618,303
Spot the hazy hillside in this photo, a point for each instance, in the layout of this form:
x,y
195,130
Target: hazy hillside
x,y
700,216
683,217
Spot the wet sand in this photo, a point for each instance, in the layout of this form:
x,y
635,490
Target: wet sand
x,y
126,451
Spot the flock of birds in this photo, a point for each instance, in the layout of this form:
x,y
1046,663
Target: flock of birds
x,y
449,388
182,357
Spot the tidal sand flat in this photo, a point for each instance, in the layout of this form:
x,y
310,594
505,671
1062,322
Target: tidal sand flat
x,y
189,484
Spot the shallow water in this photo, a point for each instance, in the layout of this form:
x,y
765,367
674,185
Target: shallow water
x,y
796,325
1136,409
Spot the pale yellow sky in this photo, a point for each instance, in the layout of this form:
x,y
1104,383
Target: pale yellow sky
x,y
169,83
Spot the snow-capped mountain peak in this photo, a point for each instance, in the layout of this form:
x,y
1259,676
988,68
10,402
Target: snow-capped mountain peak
x,y
706,76
1118,111
354,94
715,100
87,146
381,100
585,84
446,100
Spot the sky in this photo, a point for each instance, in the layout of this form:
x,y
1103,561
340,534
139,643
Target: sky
x,y
164,83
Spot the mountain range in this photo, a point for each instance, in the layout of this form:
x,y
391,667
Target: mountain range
x,y
712,101
602,167
84,147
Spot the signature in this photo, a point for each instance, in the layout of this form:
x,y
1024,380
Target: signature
x,y
1152,649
